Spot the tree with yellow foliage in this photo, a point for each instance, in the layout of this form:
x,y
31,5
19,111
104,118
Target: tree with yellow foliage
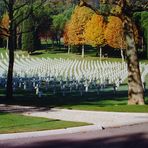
x,y
94,32
114,34
4,24
4,27
81,15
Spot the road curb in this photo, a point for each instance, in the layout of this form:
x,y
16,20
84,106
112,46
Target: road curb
x,y
50,132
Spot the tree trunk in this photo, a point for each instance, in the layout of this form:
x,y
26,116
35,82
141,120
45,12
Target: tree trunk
x,y
10,73
122,56
52,43
135,87
147,42
46,46
100,53
59,43
7,42
83,48
14,38
69,48
9,91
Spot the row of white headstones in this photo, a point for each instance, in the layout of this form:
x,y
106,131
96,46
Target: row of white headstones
x,y
65,74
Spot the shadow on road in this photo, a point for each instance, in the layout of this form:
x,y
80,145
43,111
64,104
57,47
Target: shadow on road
x,y
139,140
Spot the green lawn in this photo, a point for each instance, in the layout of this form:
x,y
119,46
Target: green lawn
x,y
106,101
56,53
14,123
62,53
109,105
89,55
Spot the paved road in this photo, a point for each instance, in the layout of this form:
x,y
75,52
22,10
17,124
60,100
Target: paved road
x,y
135,136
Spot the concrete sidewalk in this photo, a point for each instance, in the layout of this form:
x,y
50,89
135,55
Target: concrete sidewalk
x,y
49,132
100,120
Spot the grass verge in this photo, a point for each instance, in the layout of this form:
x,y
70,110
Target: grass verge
x,y
114,108
15,123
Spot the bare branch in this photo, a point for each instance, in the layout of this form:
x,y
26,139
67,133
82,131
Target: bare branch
x,y
20,6
16,16
6,2
5,35
139,8
24,18
29,13
3,29
23,32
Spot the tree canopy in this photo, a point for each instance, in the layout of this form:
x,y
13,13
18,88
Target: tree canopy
x,y
94,31
114,33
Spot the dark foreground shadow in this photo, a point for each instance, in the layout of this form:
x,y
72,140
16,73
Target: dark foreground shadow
x,y
139,140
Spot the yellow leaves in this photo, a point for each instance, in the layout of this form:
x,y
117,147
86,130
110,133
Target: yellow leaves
x,y
87,27
116,10
94,31
76,26
4,24
114,33
5,21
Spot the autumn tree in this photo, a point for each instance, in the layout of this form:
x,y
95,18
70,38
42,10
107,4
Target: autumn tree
x,y
135,86
81,15
114,34
4,24
94,32
124,9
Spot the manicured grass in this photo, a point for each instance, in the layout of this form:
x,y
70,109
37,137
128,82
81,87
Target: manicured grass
x,y
91,55
115,107
62,53
3,51
106,101
14,123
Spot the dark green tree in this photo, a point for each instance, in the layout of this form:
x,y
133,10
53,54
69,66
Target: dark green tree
x,y
59,22
28,35
36,26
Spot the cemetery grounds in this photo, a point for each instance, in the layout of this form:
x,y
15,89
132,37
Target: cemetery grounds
x,y
74,83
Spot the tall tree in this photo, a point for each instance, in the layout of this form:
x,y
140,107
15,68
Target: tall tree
x,y
13,7
125,9
114,34
28,35
37,24
4,24
59,22
79,18
135,86
94,32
